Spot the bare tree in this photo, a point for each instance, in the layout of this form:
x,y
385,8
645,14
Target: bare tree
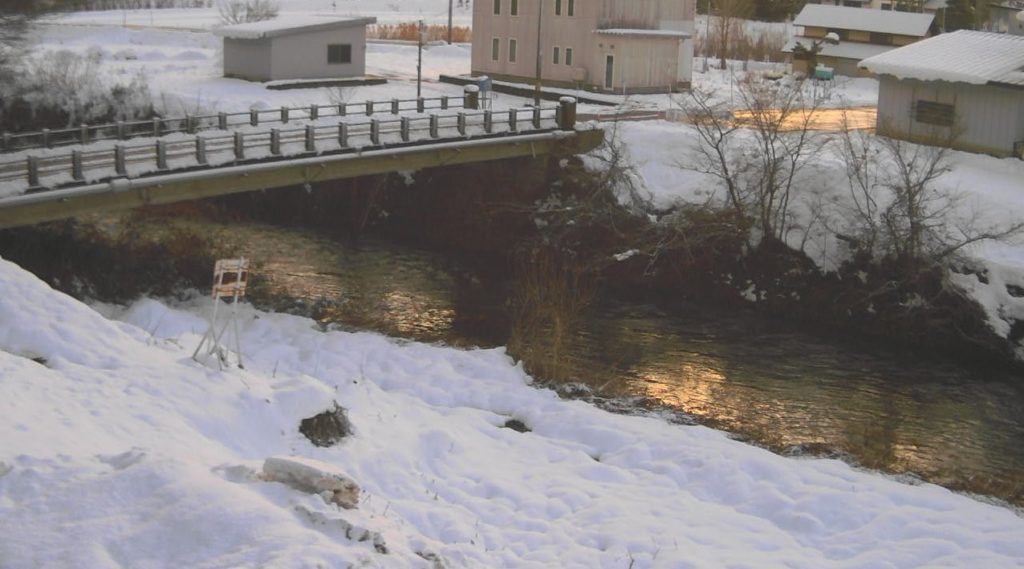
x,y
242,11
758,150
897,210
728,24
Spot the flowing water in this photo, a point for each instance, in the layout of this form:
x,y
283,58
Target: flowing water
x,y
792,392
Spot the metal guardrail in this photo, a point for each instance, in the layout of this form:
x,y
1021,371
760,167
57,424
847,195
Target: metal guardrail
x,y
80,166
191,124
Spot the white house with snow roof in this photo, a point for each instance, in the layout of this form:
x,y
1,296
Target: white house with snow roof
x,y
296,47
624,46
965,84
862,33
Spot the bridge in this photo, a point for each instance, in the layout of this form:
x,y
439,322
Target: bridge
x,y
57,174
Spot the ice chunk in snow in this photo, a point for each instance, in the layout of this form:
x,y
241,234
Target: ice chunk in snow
x,y
311,475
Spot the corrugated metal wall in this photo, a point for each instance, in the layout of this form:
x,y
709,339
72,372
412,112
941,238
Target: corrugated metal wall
x,y
990,118
247,59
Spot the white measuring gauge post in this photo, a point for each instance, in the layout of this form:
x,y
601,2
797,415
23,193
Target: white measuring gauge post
x,y
230,278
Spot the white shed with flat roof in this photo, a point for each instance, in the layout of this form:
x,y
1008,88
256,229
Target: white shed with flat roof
x,y
296,47
965,83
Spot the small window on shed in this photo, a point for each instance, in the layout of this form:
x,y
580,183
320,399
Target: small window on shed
x,y
572,7
881,39
568,56
339,53
513,7
938,114
497,7
558,7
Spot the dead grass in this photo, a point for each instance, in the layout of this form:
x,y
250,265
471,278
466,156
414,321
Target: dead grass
x,y
409,31
551,294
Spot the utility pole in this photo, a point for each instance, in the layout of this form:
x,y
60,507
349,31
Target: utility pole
x,y
419,63
536,91
450,21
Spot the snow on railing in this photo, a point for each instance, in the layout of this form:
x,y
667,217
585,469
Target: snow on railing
x,y
20,173
191,124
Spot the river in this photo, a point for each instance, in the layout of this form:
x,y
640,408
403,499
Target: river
x,y
791,392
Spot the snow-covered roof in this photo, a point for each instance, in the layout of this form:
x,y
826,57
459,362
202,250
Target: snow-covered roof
x,y
846,49
643,33
864,19
286,25
962,56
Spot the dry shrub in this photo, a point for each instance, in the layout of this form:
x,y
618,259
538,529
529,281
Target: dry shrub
x,y
553,289
409,31
744,44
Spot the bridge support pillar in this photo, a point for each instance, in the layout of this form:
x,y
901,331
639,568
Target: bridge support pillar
x,y
567,113
471,97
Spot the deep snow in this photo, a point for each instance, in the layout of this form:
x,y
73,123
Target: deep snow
x,y
120,451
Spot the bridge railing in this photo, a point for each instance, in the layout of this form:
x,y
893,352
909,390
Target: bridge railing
x,y
34,173
192,124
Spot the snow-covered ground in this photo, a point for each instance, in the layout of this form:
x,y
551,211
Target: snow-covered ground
x,y
118,450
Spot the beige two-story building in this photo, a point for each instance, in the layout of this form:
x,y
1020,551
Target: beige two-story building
x,y
622,46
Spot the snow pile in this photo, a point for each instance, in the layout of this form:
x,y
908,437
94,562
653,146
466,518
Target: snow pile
x,y
120,451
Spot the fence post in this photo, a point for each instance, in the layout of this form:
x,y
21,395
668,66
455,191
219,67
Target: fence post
x,y
433,126
275,142
488,121
314,112
444,102
190,125
7,140
513,120
239,146
120,167
342,135
461,125
284,115
76,166
310,138
471,97
161,155
421,105
222,121
342,109
375,131
254,117
45,135
122,132
405,129
536,117
394,106
201,150
157,126
33,171
83,134
567,117
369,108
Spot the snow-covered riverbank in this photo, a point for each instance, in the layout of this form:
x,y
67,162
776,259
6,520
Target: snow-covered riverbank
x,y
119,451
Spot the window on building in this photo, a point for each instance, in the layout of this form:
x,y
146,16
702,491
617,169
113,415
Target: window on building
x,y
512,45
571,8
339,53
558,7
938,114
513,7
880,38
495,49
557,53
568,56
497,7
